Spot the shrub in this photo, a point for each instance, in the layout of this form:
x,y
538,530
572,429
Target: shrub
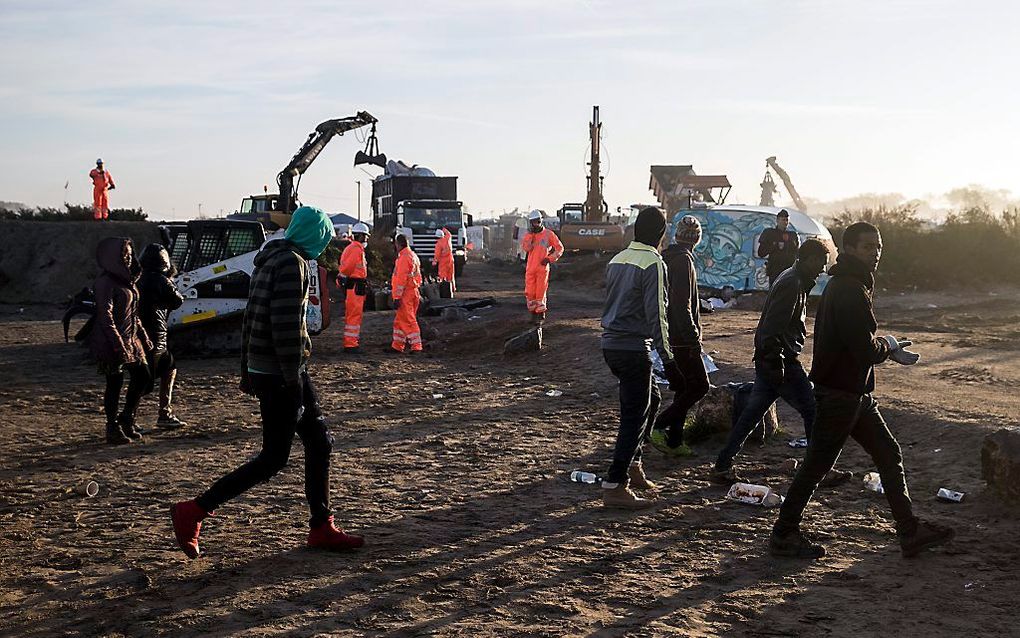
x,y
973,246
71,212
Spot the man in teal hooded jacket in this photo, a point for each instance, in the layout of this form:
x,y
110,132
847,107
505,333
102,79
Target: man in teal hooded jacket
x,y
274,357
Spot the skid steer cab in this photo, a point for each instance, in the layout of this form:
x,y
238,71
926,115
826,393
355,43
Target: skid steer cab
x,y
215,259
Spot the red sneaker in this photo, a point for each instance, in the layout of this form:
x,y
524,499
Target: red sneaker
x,y
187,519
328,537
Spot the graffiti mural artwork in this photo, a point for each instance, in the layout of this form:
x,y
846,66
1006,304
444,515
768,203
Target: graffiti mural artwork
x,y
727,254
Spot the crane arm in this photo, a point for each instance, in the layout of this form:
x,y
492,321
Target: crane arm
x,y
310,150
783,175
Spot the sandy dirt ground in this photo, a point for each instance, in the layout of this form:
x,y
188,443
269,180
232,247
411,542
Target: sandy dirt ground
x,y
454,466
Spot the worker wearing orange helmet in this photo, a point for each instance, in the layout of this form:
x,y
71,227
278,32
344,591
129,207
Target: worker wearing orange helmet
x,y
102,182
353,280
443,257
405,283
543,247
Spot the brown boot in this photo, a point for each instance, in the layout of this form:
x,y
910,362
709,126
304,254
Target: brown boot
x,y
638,480
621,497
924,536
835,477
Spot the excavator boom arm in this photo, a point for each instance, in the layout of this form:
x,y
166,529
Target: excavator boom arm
x,y
310,150
783,175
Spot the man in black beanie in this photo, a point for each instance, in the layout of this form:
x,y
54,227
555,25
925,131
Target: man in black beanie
x,y
634,321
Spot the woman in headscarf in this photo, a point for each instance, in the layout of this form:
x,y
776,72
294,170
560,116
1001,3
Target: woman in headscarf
x,y
118,339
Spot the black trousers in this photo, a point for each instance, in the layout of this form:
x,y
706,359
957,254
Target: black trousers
x,y
696,386
639,401
141,383
840,416
279,424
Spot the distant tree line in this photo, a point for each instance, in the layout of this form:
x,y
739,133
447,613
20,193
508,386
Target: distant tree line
x,y
70,212
972,246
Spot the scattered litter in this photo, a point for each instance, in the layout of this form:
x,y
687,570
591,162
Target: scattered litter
x,y
949,495
554,393
938,449
801,442
754,495
873,482
789,466
528,378
88,489
578,476
931,305
658,372
437,396
473,317
710,366
718,304
596,395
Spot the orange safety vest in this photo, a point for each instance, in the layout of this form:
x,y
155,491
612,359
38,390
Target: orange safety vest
x,y
541,245
406,274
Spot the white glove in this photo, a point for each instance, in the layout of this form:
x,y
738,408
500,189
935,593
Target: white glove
x,y
898,351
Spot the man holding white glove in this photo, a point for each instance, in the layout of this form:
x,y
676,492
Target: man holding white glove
x,y
846,350
898,351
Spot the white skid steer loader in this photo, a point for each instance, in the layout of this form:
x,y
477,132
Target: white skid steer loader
x,y
215,259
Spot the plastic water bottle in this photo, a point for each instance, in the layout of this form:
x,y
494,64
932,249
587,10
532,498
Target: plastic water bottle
x,y
873,482
578,476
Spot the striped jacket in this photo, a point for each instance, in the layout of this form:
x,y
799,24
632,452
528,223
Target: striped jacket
x,y
275,336
634,316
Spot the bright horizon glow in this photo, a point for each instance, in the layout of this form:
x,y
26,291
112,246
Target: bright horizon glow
x,y
203,103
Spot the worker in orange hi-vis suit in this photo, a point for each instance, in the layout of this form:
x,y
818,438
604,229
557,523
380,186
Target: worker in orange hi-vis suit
x,y
543,247
405,282
443,257
102,182
353,279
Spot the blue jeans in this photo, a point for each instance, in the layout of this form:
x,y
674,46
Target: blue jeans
x,y
795,390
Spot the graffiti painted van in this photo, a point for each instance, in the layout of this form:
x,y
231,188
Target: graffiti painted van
x,y
728,252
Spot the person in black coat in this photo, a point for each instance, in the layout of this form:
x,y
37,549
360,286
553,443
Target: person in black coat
x,y
159,295
778,246
846,351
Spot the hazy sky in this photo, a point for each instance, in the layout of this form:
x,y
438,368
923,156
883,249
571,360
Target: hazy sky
x,y
204,102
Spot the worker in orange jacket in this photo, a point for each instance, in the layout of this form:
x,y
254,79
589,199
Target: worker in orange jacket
x,y
102,182
353,280
405,282
443,257
543,247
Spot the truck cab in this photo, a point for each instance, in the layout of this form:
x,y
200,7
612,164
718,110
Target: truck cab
x,y
265,209
419,219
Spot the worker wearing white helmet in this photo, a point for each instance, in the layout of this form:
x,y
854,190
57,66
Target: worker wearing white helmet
x,y
353,280
442,259
102,182
542,247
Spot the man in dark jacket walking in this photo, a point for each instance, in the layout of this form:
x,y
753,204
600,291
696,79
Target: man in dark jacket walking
x,y
843,370
275,351
778,246
633,322
684,338
158,296
778,342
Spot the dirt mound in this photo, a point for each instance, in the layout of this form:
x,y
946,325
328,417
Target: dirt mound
x,y
44,262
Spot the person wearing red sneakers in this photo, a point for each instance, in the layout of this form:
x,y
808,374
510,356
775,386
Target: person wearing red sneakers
x,y
275,350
